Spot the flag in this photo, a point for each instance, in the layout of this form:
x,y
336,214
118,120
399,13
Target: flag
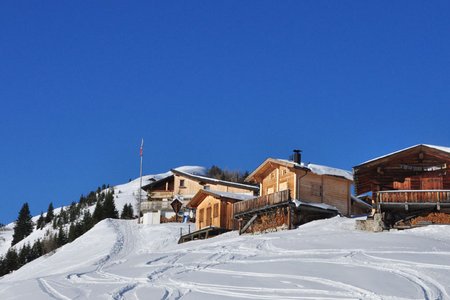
x,y
141,150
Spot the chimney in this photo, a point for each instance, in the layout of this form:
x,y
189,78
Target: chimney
x,y
297,157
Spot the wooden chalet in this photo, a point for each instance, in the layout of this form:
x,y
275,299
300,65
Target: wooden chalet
x,y
292,193
214,213
407,183
182,185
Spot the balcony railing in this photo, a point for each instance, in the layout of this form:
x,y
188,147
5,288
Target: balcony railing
x,y
160,194
261,202
155,205
414,196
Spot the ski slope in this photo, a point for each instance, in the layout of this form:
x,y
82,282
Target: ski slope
x,y
326,259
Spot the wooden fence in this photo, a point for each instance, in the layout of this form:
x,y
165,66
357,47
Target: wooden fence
x,y
261,202
414,196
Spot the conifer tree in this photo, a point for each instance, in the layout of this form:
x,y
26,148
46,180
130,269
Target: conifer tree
x,y
50,213
98,212
109,207
127,212
88,221
24,254
72,233
12,260
36,250
41,221
23,226
61,238
2,266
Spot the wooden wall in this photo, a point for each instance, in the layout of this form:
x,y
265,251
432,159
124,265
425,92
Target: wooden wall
x,y
224,218
336,192
280,179
202,217
311,187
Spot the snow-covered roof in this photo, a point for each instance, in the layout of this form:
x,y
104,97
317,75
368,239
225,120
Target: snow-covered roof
x,y
193,170
215,181
236,196
201,194
321,170
316,205
440,148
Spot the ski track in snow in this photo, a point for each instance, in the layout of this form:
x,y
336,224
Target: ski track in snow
x,y
180,271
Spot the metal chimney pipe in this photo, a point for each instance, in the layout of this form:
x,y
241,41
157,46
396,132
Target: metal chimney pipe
x,y
297,157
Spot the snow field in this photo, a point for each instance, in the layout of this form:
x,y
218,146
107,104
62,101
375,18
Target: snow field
x,y
324,259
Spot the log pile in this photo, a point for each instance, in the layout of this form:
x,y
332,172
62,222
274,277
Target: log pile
x,y
271,221
434,218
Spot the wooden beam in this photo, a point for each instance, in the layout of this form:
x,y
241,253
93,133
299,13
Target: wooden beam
x,y
246,226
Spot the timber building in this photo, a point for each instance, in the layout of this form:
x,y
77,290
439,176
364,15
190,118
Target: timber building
x,y
407,183
183,185
292,193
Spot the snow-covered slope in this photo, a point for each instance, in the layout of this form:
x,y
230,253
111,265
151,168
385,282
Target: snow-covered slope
x,y
324,259
123,194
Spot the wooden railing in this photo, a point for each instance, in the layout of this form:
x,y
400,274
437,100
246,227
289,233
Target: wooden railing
x,y
160,194
414,196
155,205
261,202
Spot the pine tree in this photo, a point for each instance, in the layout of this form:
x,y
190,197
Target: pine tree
x,y
73,212
98,212
24,254
63,216
50,213
72,233
109,208
127,212
61,238
2,266
12,260
88,221
23,226
36,250
41,221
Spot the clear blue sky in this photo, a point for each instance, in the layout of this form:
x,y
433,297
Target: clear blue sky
x,y
208,82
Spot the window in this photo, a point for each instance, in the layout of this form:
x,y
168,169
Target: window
x,y
216,210
182,183
206,187
283,186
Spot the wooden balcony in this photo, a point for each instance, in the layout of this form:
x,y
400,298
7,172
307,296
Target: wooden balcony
x,y
160,195
156,205
413,196
261,203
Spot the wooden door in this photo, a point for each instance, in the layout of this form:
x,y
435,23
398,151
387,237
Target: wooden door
x,y
208,216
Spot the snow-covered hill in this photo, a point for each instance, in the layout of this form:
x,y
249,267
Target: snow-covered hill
x,y
126,193
325,259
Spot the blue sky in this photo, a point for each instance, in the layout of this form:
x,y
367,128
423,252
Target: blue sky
x,y
207,82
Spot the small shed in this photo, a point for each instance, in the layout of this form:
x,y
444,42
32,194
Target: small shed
x,y
215,208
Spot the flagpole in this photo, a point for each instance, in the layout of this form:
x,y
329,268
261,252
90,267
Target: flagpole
x,y
140,181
